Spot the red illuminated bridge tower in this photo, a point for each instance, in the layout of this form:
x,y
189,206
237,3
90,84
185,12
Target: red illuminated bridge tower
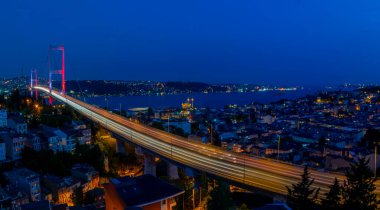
x,y
53,69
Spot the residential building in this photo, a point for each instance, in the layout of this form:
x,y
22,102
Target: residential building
x,y
3,118
87,174
34,141
14,145
51,140
3,151
18,123
66,139
62,189
26,181
84,136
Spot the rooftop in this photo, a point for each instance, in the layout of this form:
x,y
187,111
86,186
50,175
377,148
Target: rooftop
x,y
274,206
22,172
142,190
40,205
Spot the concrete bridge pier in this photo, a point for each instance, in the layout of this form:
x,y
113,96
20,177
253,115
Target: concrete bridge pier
x,y
120,146
149,165
138,151
197,183
172,171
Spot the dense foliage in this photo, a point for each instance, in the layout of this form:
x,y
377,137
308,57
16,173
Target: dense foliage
x,y
220,197
301,195
356,193
333,199
359,190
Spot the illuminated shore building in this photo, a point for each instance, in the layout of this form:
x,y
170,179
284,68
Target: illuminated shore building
x,y
187,107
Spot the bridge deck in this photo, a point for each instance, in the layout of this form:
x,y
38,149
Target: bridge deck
x,y
258,172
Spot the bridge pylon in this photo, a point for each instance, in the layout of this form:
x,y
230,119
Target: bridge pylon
x,y
52,67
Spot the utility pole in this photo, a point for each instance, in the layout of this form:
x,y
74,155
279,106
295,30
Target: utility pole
x,y
278,147
200,196
193,198
211,133
375,168
168,123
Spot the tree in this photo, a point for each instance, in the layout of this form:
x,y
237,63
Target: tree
x,y
220,197
228,121
371,137
359,189
252,115
241,117
301,196
158,125
187,184
203,184
150,112
78,196
322,143
179,132
333,199
92,195
14,102
194,127
91,155
243,207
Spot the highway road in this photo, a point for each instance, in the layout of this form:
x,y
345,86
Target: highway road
x,y
266,174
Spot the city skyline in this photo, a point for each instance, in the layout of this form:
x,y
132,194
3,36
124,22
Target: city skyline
x,y
189,105
292,43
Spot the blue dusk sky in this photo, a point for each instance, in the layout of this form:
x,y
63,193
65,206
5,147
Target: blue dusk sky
x,y
294,42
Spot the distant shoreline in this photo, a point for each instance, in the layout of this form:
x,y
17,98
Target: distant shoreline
x,y
211,100
169,94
